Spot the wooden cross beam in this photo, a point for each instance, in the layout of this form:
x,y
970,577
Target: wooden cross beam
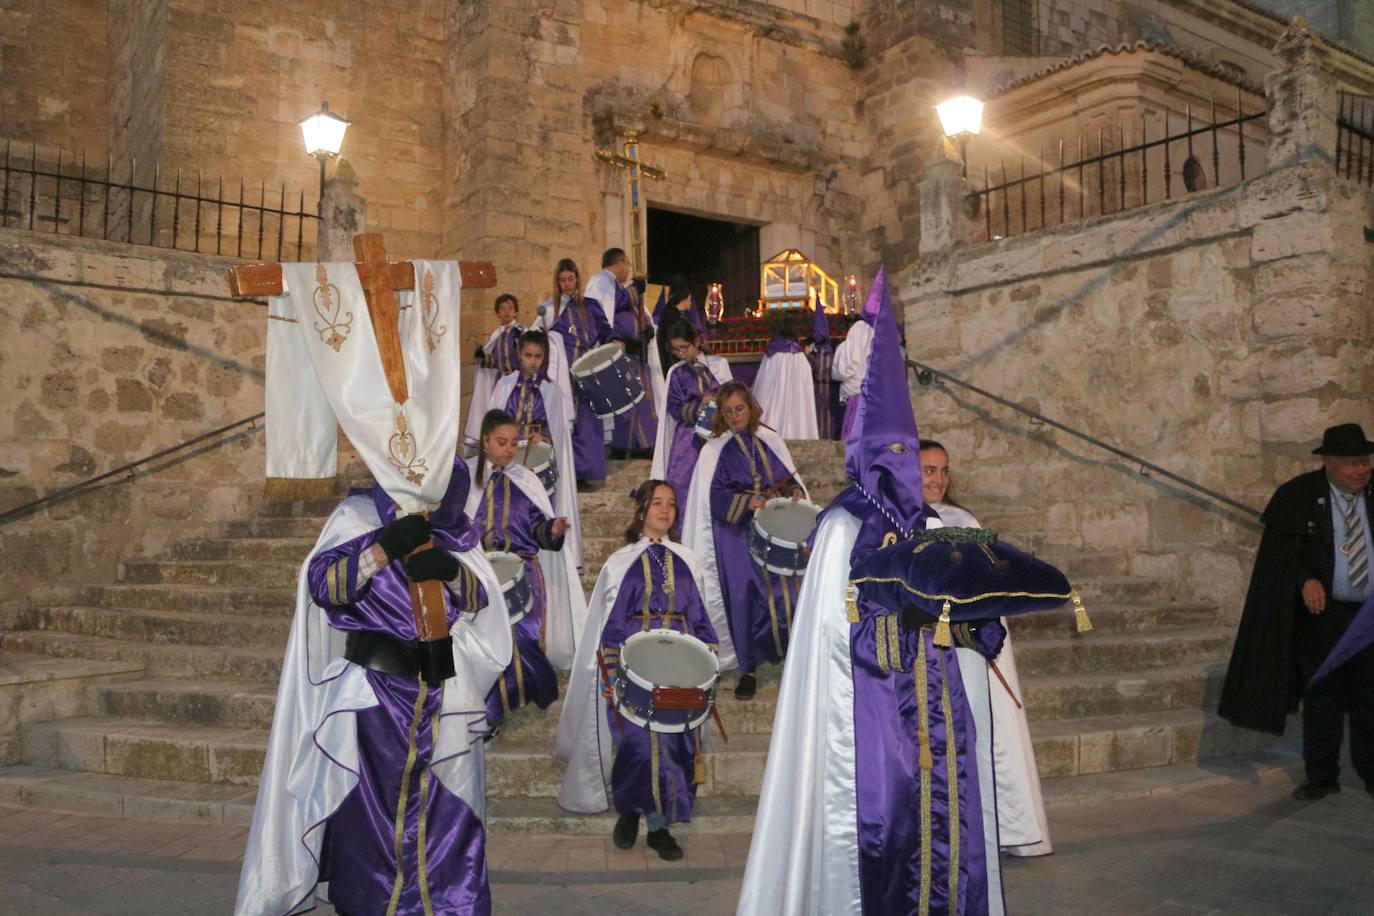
x,y
628,160
258,280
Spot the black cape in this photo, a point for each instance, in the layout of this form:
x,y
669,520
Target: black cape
x,y
1263,683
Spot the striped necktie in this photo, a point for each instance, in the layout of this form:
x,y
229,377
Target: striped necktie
x,y
1354,545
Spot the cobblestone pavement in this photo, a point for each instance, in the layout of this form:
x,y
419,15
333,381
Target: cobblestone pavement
x,y
1232,847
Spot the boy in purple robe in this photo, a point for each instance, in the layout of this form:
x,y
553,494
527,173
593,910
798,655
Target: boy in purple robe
x,y
736,474
510,520
690,388
651,583
496,359
372,759
582,325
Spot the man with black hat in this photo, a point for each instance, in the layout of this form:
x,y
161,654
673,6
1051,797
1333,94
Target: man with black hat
x,y
1311,575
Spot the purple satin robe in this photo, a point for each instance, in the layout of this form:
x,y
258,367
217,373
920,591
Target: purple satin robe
x,y
759,604
397,793
583,328
510,521
636,428
643,603
526,404
782,345
687,389
503,354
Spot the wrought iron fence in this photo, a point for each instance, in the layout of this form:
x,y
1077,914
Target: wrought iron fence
x,y
1355,138
1104,175
69,195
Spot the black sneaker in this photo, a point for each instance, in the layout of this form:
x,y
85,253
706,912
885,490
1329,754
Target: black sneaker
x,y
626,831
1311,791
746,688
662,842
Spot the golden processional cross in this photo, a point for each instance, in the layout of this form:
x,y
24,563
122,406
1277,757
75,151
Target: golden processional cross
x,y
628,160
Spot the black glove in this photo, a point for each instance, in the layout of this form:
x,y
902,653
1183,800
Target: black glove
x,y
404,535
640,284
633,348
432,564
646,335
480,355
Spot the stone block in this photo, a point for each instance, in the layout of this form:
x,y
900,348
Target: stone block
x,y
154,756
52,745
236,765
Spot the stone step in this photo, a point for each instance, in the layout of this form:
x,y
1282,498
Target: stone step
x,y
1100,651
248,599
218,704
1081,696
307,528
41,688
123,796
1113,743
159,628
172,661
299,508
1114,617
148,750
710,815
261,574
1097,590
287,550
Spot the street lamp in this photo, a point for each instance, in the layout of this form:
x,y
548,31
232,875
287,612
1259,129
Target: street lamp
x,y
961,118
323,133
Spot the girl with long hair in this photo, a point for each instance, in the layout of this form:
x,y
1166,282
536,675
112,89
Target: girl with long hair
x,y
691,385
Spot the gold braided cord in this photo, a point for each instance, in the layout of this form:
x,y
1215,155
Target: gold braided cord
x,y
787,602
424,805
505,511
773,609
648,590
923,725
956,600
952,780
519,670
489,497
411,754
501,688
880,639
894,642
653,775
753,467
331,583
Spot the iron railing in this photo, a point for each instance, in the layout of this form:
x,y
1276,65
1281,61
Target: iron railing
x,y
1083,183
127,470
1355,138
927,375
70,195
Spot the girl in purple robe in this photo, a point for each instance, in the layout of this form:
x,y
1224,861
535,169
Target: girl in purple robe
x,y
509,520
737,472
651,583
692,384
497,358
582,325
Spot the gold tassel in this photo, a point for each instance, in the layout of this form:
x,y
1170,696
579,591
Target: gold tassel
x,y
851,602
1080,615
698,764
942,634
924,758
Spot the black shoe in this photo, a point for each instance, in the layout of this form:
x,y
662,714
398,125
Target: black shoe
x,y
626,831
494,733
589,486
1311,791
662,842
746,688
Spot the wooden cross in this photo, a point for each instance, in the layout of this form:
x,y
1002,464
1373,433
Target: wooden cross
x,y
380,279
628,159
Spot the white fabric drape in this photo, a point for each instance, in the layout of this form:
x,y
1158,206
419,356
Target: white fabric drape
x,y
667,424
312,753
851,359
567,605
787,394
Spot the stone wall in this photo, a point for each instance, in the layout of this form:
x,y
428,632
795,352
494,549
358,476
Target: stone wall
x,y
111,353
52,72
1216,337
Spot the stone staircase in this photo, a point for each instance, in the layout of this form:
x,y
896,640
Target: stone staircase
x,y
158,689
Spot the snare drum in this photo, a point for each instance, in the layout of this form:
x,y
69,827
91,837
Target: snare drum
x,y
539,459
604,378
704,419
666,680
777,540
515,585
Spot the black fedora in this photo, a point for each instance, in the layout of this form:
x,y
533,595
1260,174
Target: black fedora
x,y
1345,441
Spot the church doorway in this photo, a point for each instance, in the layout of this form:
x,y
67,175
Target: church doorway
x,y
704,250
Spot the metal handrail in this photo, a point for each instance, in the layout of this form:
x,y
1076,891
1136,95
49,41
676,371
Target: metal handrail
x,y
927,374
128,469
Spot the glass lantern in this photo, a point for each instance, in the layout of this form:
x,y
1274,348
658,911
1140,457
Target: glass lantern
x,y
792,280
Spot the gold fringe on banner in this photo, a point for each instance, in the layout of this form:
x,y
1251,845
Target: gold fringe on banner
x,y
1080,615
300,487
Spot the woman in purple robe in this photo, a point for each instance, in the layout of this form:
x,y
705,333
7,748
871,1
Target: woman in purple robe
x,y
651,583
737,472
582,325
509,520
692,384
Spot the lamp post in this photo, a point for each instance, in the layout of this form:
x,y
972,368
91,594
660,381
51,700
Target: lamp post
x,y
323,133
961,118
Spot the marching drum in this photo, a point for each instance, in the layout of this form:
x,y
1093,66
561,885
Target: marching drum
x,y
704,419
604,378
777,540
515,585
539,458
666,680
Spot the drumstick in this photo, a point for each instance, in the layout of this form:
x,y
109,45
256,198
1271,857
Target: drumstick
x,y
606,684
715,714
993,665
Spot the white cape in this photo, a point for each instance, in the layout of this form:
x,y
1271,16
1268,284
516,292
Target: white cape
x,y
558,359
567,605
560,436
312,755
1020,806
483,381
583,740
851,359
667,424
699,537
785,390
